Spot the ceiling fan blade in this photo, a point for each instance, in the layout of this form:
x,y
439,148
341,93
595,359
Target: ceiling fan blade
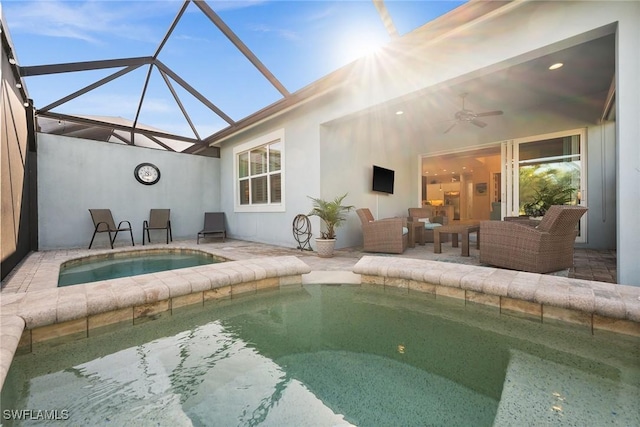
x,y
490,113
450,127
478,123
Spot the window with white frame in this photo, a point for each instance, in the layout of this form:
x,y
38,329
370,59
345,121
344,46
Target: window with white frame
x,y
259,174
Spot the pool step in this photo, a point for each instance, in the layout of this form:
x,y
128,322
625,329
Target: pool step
x,y
541,392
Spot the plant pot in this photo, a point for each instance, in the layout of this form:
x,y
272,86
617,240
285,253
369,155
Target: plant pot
x,y
325,247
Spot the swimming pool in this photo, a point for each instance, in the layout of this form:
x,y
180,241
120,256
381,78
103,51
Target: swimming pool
x,y
130,263
334,355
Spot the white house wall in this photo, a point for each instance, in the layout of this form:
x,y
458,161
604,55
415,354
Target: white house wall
x,y
75,175
349,151
601,184
326,157
302,166
628,135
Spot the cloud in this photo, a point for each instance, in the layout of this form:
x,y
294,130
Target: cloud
x,y
189,38
283,33
89,21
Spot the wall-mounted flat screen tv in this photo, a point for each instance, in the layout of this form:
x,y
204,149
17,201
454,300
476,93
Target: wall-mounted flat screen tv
x,y
383,179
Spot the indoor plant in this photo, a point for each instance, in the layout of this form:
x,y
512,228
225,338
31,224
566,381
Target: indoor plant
x,y
332,213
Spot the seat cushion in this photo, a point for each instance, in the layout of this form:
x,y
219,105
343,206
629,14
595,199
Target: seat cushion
x,y
431,225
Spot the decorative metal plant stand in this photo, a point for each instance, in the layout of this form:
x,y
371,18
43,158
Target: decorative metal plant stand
x,y
302,232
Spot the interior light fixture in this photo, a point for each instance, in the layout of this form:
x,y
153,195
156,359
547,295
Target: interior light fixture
x,y
26,104
556,66
19,85
12,61
399,113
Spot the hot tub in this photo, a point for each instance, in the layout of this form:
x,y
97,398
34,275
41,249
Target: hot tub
x,y
130,263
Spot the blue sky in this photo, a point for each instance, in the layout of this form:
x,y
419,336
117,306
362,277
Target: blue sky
x,y
299,41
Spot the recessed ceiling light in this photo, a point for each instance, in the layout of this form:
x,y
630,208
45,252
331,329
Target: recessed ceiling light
x,y
399,113
556,66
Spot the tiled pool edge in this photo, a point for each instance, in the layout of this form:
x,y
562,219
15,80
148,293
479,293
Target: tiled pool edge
x,y
596,306
72,312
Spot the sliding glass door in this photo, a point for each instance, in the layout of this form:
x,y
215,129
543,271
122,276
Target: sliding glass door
x,y
543,171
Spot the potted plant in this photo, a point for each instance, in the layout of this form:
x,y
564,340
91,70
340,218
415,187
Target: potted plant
x,y
332,213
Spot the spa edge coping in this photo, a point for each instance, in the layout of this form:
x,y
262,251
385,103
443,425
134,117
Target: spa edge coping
x,y
506,289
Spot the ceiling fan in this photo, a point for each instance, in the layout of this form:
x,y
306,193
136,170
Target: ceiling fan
x,y
469,116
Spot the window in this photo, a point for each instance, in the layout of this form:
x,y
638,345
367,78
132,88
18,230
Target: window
x,y
259,174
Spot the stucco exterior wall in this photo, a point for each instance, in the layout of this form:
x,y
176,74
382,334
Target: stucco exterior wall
x,y
75,175
302,178
332,143
628,147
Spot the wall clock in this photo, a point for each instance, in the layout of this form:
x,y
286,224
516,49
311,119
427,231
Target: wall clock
x,y
147,173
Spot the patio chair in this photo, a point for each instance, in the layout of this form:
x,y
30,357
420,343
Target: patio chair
x,y
158,220
543,248
104,223
389,235
213,224
427,215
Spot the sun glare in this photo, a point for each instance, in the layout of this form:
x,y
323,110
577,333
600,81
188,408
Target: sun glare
x,y
361,44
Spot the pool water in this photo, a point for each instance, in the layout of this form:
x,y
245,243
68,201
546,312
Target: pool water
x,y
124,265
333,355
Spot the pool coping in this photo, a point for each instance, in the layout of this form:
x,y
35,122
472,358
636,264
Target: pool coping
x,y
47,314
597,306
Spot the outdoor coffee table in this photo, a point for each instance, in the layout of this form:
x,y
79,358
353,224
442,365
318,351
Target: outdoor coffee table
x,y
463,228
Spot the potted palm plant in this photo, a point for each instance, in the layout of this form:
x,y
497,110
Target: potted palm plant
x,y
332,213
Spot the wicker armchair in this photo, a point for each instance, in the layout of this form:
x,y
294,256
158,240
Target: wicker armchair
x,y
384,235
544,248
416,214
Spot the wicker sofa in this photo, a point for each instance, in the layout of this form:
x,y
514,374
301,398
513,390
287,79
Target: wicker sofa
x,y
521,246
384,235
416,214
